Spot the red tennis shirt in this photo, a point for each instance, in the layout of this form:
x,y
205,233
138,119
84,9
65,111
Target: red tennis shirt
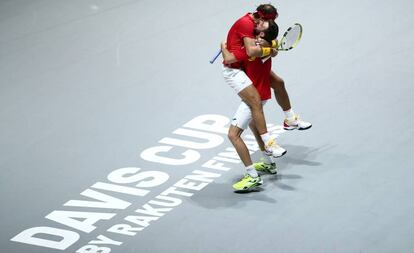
x,y
243,27
259,74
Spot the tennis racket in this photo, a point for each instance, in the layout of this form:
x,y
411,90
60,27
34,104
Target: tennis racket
x,y
289,40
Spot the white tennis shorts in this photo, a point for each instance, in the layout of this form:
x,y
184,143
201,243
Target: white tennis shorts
x,y
243,115
236,78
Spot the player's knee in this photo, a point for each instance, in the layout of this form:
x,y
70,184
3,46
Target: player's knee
x,y
251,125
232,134
257,105
255,102
279,84
252,97
282,83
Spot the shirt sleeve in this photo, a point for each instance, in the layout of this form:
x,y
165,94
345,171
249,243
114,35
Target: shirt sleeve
x,y
245,29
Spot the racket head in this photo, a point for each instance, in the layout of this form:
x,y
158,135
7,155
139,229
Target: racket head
x,y
291,37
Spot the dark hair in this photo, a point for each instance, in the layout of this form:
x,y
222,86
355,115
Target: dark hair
x,y
266,12
272,32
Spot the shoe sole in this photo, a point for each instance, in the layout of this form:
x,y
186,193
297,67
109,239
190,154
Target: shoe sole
x,y
300,129
250,188
306,128
280,155
267,171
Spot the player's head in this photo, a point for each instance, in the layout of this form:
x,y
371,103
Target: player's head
x,y
260,26
270,33
265,12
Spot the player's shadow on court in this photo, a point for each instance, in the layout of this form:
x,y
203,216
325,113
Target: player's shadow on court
x,y
296,156
221,195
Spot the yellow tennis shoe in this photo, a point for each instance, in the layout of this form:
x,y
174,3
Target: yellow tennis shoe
x,y
247,183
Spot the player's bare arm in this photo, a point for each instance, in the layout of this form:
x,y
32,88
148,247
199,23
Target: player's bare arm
x,y
228,57
254,50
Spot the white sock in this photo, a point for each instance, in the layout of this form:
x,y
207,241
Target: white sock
x,y
265,137
289,114
251,171
268,159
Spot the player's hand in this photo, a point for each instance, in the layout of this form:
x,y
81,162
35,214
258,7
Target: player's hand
x,y
223,45
274,52
263,43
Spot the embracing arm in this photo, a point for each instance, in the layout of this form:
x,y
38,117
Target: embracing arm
x,y
228,57
254,50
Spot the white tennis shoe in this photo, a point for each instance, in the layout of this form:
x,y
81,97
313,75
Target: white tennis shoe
x,y
272,149
296,123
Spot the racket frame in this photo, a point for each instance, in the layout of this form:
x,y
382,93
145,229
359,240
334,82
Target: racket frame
x,y
296,41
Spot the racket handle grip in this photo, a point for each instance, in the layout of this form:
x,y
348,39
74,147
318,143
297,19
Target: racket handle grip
x,y
215,57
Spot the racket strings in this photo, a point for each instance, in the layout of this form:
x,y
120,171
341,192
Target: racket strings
x,y
291,37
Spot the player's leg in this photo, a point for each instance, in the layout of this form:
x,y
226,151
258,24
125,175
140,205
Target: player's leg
x,y
240,82
270,144
252,98
238,125
269,164
234,136
281,95
292,120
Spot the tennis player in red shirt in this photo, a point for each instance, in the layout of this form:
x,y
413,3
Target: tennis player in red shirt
x,y
259,74
241,42
241,35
